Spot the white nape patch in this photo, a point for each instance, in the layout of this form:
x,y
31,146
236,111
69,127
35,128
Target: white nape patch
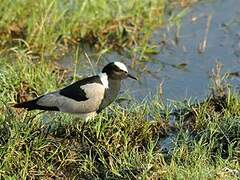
x,y
104,79
121,66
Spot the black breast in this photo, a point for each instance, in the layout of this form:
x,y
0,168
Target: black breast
x,y
110,94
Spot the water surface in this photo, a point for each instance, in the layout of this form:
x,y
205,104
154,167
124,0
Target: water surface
x,y
181,65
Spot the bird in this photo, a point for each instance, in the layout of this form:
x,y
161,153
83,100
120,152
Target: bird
x,y
86,97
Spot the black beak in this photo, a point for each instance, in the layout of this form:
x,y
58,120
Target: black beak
x,y
129,75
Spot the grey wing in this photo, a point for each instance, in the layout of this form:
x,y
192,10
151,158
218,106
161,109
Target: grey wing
x,y
82,99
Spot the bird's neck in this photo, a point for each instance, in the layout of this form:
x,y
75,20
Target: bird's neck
x,y
113,89
110,93
114,85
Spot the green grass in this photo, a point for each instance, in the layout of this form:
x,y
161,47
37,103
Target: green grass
x,y
121,142
103,24
51,28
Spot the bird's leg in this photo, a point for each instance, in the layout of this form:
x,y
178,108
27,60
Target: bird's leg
x,y
87,117
82,128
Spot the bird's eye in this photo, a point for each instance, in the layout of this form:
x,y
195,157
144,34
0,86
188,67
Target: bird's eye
x,y
119,70
122,71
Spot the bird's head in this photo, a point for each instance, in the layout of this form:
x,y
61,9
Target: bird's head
x,y
117,71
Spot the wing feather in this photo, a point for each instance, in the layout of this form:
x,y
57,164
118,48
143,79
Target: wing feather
x,y
74,91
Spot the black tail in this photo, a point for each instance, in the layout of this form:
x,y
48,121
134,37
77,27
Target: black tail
x,y
31,105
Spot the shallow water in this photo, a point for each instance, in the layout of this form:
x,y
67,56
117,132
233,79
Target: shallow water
x,y
183,69
223,45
